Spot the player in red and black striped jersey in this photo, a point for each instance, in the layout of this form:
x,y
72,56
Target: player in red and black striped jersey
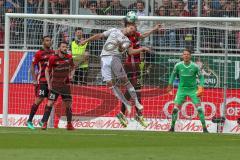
x,y
133,66
59,72
40,60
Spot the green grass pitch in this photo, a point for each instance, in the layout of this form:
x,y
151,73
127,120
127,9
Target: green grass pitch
x,y
59,144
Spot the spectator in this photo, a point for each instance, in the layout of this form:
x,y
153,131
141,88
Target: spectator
x,y
117,8
83,3
165,37
181,11
217,9
15,27
167,5
174,5
60,5
140,8
14,4
93,7
52,7
104,8
40,8
143,25
31,6
64,30
80,51
229,9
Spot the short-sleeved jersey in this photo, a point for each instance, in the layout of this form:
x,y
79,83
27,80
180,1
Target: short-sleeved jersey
x,y
60,69
115,39
135,44
188,75
40,60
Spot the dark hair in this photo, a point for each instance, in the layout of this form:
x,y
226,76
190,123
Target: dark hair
x,y
126,23
62,42
78,28
139,1
188,50
47,36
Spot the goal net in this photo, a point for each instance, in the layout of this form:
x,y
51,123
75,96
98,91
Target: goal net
x,y
215,43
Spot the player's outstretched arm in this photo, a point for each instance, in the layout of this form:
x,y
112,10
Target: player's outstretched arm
x,y
132,51
93,38
148,33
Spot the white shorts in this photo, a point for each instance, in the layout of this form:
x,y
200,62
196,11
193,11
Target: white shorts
x,y
111,67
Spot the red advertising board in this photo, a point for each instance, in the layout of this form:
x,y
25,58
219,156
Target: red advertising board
x,y
98,101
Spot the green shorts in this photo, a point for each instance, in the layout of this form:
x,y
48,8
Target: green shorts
x,y
182,93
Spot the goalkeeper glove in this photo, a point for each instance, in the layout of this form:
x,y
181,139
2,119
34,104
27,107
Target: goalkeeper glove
x,y
200,91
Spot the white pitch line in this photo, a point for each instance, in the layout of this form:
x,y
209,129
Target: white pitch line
x,y
57,133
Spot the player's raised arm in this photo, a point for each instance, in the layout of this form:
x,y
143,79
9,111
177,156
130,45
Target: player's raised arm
x,y
146,34
93,38
132,51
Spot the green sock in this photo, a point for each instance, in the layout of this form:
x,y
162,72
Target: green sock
x,y
174,117
201,116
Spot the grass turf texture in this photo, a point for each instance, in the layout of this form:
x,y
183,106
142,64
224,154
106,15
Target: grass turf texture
x,y
59,144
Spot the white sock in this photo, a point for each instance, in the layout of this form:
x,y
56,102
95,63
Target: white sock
x,y
122,98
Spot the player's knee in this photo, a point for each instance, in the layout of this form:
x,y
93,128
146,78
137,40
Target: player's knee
x,y
110,84
39,100
68,103
200,109
175,110
125,80
50,103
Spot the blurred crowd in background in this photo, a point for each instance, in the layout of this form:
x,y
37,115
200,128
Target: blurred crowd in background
x,y
164,38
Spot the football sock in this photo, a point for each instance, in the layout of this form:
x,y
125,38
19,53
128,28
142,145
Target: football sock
x,y
132,92
127,96
174,117
33,111
69,114
46,114
119,95
201,116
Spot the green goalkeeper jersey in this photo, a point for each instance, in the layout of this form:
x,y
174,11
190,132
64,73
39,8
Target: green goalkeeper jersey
x,y
188,74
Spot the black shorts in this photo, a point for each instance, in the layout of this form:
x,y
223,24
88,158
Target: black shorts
x,y
41,90
53,95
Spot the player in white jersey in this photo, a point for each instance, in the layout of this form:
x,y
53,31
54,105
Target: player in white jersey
x,y
111,66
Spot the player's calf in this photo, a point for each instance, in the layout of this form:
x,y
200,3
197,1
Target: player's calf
x,y
174,118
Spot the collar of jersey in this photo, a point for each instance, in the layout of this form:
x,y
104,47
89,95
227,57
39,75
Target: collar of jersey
x,y
188,65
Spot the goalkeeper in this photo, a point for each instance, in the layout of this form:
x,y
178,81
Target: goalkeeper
x,y
188,73
134,65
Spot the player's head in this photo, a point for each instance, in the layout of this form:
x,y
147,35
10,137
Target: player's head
x,y
78,32
63,46
46,41
186,55
130,28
